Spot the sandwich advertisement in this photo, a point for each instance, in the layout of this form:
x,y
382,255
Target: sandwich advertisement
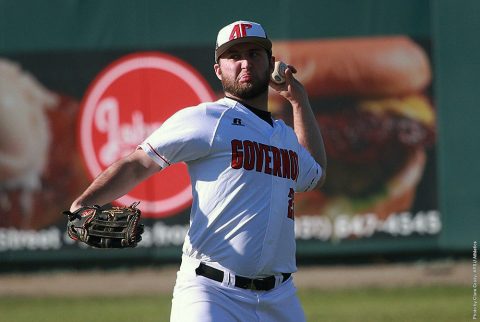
x,y
373,100
66,116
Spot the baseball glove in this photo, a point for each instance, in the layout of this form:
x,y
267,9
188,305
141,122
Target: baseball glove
x,y
114,227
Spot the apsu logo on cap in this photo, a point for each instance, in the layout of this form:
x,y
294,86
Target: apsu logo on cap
x,y
125,103
239,31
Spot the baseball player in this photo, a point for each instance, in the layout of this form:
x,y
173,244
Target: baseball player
x,y
245,167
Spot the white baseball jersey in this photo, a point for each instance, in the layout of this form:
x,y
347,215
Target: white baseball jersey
x,y
244,173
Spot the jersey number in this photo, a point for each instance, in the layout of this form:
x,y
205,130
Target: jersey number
x,y
291,212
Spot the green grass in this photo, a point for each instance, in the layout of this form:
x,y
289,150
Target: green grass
x,y
423,304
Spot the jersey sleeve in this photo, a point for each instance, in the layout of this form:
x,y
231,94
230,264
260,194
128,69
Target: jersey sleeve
x,y
310,171
185,136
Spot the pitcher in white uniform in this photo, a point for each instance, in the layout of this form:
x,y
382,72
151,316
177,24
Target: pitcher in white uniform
x,y
245,168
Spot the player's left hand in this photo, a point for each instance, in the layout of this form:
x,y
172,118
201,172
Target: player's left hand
x,y
115,227
292,90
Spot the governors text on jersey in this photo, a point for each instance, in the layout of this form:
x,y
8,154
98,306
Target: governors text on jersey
x,y
269,159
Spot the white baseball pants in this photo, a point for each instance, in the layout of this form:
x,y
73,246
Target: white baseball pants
x,y
200,299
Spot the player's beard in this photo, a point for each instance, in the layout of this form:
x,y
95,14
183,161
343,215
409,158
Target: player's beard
x,y
247,90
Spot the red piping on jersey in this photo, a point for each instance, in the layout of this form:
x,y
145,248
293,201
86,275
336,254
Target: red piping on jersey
x,y
158,154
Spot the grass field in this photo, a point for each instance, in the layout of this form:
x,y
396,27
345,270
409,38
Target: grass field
x,y
422,304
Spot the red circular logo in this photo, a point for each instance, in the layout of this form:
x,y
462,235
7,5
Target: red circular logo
x,y
125,103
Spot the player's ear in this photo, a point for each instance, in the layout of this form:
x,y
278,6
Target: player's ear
x,y
218,71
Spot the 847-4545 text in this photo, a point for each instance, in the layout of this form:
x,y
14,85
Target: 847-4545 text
x,y
366,225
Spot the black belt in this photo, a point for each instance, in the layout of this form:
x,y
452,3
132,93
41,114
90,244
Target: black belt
x,y
260,284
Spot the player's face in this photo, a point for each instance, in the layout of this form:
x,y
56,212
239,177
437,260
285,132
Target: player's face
x,y
244,71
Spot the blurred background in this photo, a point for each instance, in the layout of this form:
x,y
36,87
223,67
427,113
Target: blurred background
x,y
394,87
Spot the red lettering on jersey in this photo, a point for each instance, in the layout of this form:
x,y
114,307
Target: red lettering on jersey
x,y
259,155
285,163
239,30
277,162
249,155
264,158
291,203
237,154
294,165
268,159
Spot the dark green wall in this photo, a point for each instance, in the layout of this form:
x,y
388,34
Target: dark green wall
x,y
457,60
94,24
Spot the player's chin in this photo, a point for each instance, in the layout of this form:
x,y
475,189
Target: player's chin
x,y
244,87
250,90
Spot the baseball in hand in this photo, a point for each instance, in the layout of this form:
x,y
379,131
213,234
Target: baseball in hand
x,y
278,75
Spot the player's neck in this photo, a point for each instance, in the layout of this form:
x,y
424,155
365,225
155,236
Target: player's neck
x,y
259,102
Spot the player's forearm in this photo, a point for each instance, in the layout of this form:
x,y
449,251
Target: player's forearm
x,y
117,180
308,132
107,187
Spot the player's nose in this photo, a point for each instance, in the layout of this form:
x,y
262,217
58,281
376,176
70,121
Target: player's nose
x,y
245,62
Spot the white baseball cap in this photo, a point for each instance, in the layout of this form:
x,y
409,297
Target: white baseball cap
x,y
241,32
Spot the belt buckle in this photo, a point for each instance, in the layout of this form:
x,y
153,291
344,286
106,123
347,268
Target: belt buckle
x,y
252,285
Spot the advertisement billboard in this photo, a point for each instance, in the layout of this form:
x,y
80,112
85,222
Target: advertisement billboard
x,y
66,116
